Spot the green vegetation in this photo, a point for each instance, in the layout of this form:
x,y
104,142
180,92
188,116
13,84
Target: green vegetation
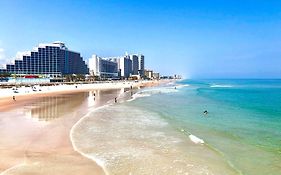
x,y
5,75
74,77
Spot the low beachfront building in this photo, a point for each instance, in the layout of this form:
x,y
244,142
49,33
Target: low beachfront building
x,y
156,75
148,74
103,67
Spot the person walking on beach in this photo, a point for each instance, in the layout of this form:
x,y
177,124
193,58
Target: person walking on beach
x,y
14,98
115,99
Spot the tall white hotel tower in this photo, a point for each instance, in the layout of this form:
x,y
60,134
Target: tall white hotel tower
x,y
141,65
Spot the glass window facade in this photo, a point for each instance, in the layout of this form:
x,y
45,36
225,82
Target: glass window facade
x,y
141,65
52,61
135,64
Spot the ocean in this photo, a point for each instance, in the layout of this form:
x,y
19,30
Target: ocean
x,y
163,130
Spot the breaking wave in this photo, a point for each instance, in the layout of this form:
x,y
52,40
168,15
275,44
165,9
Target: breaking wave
x,y
221,86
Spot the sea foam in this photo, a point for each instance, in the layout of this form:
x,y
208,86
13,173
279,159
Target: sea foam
x,y
124,139
138,95
128,139
182,86
153,91
160,90
195,139
98,161
221,86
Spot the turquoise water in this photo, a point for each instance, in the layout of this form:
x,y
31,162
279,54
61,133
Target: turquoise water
x,y
150,133
243,123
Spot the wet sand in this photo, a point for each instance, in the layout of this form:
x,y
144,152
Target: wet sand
x,y
35,134
35,128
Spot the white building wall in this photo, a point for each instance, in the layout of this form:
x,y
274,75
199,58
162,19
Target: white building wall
x,y
94,65
122,66
125,65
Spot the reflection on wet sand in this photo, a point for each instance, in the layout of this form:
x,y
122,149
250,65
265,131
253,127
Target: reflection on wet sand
x,y
34,133
53,107
50,108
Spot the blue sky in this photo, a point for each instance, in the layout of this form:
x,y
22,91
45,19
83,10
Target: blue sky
x,y
195,38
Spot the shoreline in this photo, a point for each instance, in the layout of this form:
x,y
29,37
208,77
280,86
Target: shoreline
x,y
26,98
25,93
98,162
111,154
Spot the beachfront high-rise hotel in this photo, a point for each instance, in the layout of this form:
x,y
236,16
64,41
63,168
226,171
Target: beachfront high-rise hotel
x,y
137,64
51,60
104,68
118,66
141,65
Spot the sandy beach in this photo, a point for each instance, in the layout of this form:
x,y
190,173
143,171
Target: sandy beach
x,y
23,94
34,128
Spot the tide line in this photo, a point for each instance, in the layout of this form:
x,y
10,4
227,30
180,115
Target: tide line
x,y
11,168
98,161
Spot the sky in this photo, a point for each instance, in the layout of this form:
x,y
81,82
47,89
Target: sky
x,y
194,38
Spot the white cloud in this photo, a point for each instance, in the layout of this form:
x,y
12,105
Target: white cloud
x,y
19,55
1,53
2,58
